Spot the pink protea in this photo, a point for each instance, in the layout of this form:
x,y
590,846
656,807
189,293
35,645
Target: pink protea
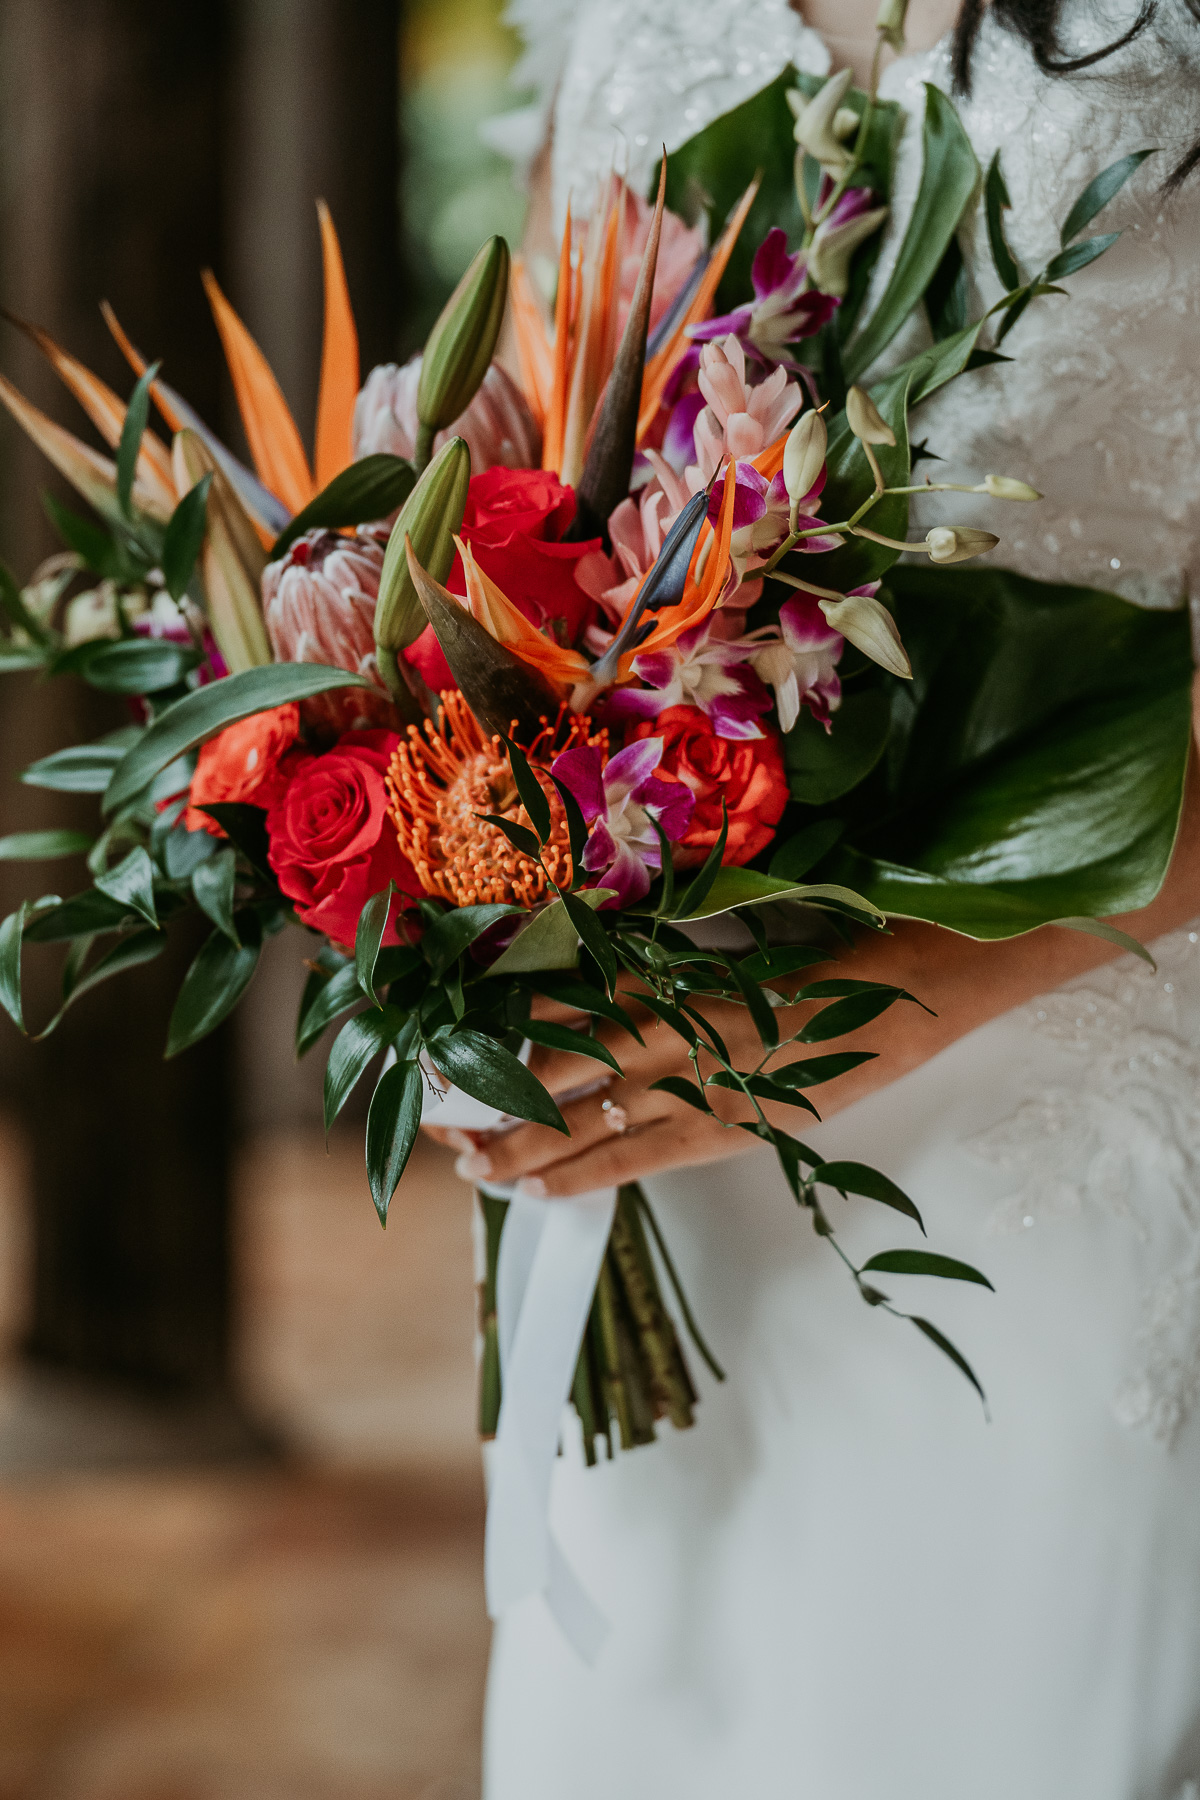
x,y
319,602
498,426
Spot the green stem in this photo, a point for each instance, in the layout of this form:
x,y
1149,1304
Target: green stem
x,y
423,448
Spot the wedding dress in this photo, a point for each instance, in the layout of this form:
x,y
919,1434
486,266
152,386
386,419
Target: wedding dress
x,y
845,1583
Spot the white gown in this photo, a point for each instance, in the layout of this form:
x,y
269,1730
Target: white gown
x,y
844,1584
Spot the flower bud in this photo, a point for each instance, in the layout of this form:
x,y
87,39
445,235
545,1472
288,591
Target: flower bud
x,y
1007,487
430,516
956,543
815,131
832,249
804,455
865,419
845,123
459,349
889,22
870,627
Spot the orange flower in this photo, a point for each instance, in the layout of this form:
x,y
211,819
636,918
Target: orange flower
x,y
241,763
442,780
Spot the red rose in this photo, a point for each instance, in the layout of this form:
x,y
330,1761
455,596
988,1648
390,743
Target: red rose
x,y
514,521
332,842
747,774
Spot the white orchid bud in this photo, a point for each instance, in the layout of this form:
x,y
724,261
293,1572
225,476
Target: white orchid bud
x,y
1007,487
889,22
865,419
871,628
957,543
845,123
804,456
815,129
832,250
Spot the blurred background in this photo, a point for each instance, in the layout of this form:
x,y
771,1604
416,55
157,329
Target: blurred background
x,y
240,1495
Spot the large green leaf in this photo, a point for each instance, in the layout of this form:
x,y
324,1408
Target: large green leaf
x,y
393,1121
949,179
549,941
487,1071
370,489
1036,766
823,765
214,984
749,887
210,709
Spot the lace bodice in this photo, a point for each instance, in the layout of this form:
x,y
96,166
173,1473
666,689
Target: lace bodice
x,y
1101,409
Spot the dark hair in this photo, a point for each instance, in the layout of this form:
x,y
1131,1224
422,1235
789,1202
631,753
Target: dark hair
x,y
1037,22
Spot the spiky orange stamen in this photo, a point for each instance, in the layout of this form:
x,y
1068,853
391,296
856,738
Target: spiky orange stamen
x,y
445,777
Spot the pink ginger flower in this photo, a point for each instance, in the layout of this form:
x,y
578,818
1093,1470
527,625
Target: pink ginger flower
x,y
498,426
319,602
784,309
739,420
620,799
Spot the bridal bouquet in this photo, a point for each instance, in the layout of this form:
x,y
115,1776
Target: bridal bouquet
x,y
522,681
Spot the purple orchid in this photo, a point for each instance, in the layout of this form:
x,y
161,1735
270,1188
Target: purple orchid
x,y
801,662
760,518
704,670
784,309
620,800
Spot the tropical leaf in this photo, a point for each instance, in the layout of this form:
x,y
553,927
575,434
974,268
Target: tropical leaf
x,y
185,538
369,489
823,765
923,1262
393,1121
1098,192
214,984
42,846
131,884
859,1178
488,1072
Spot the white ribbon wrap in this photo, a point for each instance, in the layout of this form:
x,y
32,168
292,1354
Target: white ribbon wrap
x,y
549,1263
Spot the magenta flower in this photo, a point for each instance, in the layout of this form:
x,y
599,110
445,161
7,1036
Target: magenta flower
x,y
784,309
620,800
800,660
702,669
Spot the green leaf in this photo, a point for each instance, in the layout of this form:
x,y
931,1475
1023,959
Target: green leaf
x,y
368,939
137,413
759,1007
127,953
370,489
12,604
1067,262
585,998
518,835
332,998
360,1040
997,203
139,666
670,1015
1012,802
488,1072
782,959
457,930
550,940
797,855
823,765
923,1262
858,1178
214,984
593,936
813,1071
210,709
847,1015
185,538
1111,934
682,1089
1098,192
393,1121
577,831
11,934
532,798
83,769
246,828
563,1037
732,888
949,178
698,889
42,846
212,887
131,884
947,1348
90,542
849,481
82,915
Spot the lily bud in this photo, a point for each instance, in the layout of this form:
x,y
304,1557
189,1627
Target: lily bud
x,y
889,22
815,130
459,349
804,456
832,249
871,628
956,543
430,517
1007,487
865,419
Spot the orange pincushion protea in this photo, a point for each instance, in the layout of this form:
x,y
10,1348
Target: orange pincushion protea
x,y
441,780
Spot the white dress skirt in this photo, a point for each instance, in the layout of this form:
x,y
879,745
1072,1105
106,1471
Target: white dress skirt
x,y
845,1583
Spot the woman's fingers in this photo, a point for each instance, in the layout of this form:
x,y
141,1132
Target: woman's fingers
x,y
669,1143
509,1155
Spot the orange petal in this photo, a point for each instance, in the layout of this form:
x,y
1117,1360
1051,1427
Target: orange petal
x,y
556,409
90,474
106,410
270,428
137,363
662,365
535,352
768,462
699,597
596,333
334,448
508,625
